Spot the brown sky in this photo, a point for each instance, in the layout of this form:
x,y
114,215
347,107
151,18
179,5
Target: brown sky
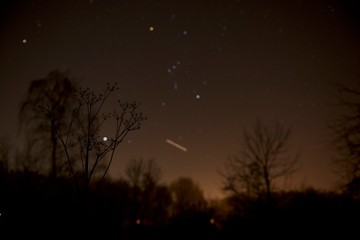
x,y
207,70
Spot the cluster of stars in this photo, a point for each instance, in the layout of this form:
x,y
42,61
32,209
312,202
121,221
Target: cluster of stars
x,y
173,67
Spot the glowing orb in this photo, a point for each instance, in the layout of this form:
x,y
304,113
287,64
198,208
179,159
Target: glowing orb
x,y
197,96
24,40
105,139
151,29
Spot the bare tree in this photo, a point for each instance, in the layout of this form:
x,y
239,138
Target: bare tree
x,y
85,130
141,173
263,159
346,128
40,142
134,171
149,200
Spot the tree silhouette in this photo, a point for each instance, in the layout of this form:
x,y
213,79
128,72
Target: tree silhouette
x,y
94,151
346,128
262,159
189,210
150,200
5,148
139,173
4,155
187,196
56,93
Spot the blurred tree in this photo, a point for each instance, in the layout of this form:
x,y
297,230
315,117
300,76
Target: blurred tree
x,y
187,196
150,200
5,148
263,158
346,128
140,173
40,142
189,213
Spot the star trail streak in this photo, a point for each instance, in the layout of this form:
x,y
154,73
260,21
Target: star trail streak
x,y
176,145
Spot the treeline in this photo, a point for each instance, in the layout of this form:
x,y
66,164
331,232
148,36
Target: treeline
x,y
42,207
56,185
36,206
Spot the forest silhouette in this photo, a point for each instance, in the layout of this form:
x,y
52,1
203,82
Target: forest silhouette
x,y
56,186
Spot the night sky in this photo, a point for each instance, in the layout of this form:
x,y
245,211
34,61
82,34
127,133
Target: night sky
x,y
203,70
